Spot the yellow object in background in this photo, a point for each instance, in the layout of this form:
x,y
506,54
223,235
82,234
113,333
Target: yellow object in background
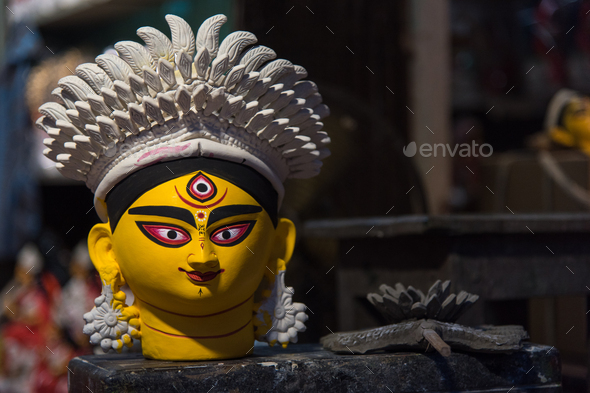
x,y
568,120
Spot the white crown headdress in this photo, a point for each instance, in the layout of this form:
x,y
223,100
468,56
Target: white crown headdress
x,y
185,98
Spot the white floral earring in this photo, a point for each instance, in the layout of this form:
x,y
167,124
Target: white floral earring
x,y
286,318
105,323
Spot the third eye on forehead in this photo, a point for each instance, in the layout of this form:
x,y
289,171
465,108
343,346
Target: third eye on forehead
x,y
201,187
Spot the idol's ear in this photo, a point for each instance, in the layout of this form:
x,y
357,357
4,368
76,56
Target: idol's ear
x,y
284,243
100,248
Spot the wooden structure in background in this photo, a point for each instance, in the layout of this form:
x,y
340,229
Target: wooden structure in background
x,y
506,259
429,98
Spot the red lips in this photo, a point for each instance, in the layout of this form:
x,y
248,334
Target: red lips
x,y
202,277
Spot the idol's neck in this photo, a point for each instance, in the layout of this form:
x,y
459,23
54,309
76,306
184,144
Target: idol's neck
x,y
172,336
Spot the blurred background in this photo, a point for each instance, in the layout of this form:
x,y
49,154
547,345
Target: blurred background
x,y
499,204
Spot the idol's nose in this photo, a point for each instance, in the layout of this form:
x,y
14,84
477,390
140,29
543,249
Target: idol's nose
x,y
208,261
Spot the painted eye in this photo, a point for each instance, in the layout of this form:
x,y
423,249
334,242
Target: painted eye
x,y
165,234
201,188
232,234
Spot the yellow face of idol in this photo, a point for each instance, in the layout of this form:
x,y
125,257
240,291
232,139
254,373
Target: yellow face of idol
x,y
577,119
194,245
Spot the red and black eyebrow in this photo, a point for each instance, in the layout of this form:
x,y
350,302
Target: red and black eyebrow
x,y
177,213
231,210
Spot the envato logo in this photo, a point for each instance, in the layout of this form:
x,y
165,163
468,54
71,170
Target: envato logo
x,y
463,150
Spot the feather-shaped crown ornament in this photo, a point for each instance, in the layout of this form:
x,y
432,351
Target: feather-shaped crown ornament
x,y
184,98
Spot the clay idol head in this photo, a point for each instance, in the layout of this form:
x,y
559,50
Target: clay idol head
x,y
186,144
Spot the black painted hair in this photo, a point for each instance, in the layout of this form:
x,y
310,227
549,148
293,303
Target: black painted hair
x,y
138,183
